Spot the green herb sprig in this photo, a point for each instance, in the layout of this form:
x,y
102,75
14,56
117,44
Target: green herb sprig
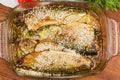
x,y
112,5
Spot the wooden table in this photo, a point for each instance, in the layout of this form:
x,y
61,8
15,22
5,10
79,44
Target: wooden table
x,y
111,72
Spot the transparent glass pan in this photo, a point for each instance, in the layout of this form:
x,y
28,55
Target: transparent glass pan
x,y
109,29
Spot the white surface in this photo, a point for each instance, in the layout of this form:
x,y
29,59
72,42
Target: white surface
x,y
9,3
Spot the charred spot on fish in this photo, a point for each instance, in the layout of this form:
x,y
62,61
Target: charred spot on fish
x,y
82,51
96,32
91,52
20,61
85,22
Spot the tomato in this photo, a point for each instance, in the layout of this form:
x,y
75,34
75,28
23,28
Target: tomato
x,y
23,1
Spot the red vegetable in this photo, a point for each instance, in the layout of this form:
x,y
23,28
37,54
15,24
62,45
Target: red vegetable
x,y
23,1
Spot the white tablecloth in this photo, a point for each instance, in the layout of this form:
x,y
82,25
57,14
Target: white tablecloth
x,y
9,3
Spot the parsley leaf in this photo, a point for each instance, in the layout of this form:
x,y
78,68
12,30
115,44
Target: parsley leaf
x,y
112,5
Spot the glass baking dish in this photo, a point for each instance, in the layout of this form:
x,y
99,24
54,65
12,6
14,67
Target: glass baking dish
x,y
109,32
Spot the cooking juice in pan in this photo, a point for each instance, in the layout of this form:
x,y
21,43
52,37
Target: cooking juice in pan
x,y
55,40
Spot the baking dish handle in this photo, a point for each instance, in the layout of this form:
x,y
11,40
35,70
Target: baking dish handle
x,y
2,40
113,37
